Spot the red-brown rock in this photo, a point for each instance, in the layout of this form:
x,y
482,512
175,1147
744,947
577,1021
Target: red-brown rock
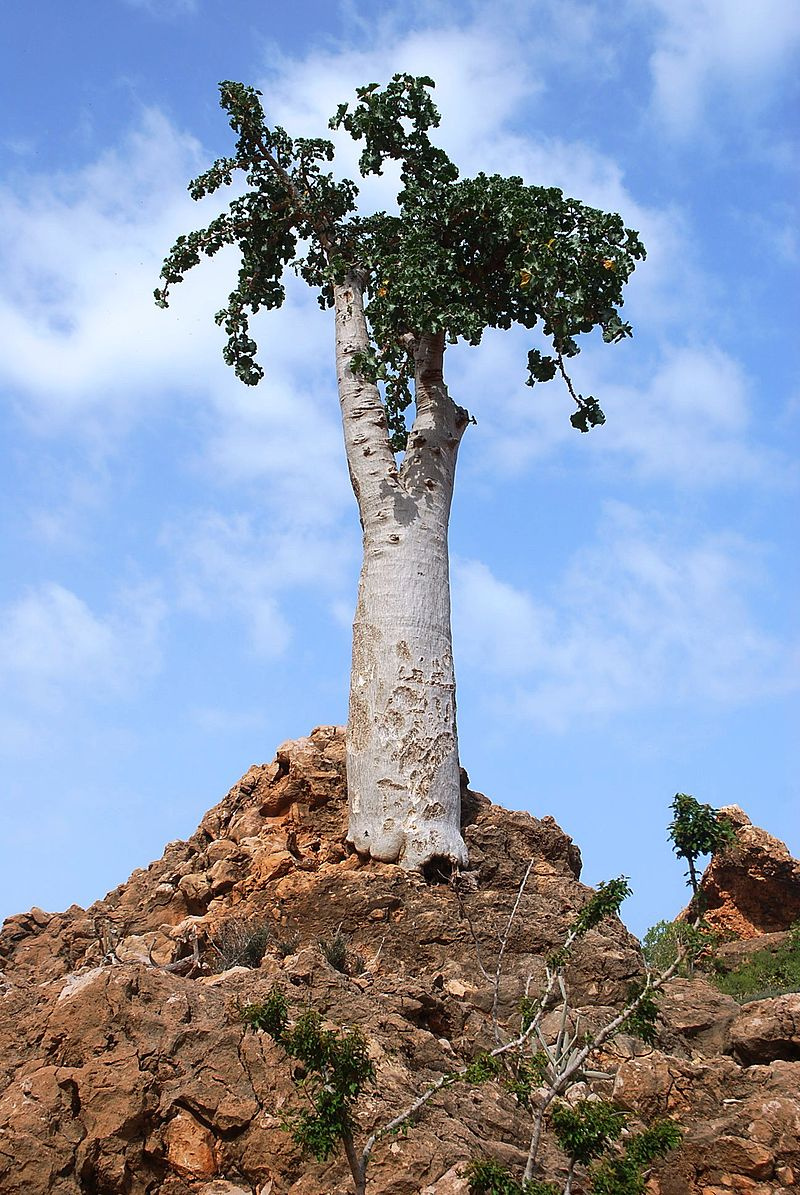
x,y
752,888
125,1069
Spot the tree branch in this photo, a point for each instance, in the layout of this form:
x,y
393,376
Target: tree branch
x,y
369,456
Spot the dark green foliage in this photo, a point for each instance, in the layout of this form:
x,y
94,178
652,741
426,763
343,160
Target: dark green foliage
x,y
488,1177
642,1021
587,1132
482,1068
336,1065
697,830
462,255
605,902
240,942
765,973
586,1129
528,1008
627,1173
271,1017
663,941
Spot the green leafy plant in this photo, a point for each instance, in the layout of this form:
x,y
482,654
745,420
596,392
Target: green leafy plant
x,y
585,1130
627,1174
336,1067
697,830
486,1176
764,973
587,1133
665,940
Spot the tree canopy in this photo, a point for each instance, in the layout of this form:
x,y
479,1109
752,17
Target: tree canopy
x,y
459,256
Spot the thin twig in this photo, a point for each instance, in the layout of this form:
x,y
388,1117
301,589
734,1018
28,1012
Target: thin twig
x,y
503,944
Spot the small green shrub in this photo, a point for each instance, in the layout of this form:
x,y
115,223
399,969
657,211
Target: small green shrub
x,y
764,973
486,1176
586,1129
337,1066
663,941
625,1174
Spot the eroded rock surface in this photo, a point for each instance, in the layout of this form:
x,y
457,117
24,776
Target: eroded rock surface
x,y
753,888
125,1069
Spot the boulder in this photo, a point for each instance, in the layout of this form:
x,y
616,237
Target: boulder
x,y
752,888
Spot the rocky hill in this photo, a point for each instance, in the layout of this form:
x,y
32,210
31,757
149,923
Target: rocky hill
x,y
126,1069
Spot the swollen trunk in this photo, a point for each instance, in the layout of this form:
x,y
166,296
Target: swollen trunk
x,y
403,776
402,756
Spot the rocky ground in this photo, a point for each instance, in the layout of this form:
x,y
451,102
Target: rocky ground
x,y
126,1069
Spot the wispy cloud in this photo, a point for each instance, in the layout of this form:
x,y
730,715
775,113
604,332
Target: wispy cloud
x,y
704,48
165,8
679,414
235,565
58,654
643,618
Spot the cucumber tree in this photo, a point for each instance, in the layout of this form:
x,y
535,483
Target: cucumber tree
x,y
457,256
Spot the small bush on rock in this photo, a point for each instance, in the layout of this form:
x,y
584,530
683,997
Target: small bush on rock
x,y
765,973
288,944
336,951
239,942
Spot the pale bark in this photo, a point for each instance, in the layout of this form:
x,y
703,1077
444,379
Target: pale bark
x,y
402,747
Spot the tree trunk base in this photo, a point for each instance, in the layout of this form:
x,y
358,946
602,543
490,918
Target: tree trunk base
x,y
413,848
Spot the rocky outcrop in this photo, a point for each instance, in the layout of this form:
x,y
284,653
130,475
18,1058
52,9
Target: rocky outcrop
x,y
126,1070
752,888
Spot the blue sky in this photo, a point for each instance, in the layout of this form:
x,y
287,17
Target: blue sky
x,y
180,553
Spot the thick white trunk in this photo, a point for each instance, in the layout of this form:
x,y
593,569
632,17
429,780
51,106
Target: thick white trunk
x,y
402,749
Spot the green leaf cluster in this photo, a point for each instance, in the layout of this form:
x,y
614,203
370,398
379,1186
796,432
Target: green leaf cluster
x,y
486,1176
627,1174
663,941
641,1022
336,1066
482,1068
528,1074
605,902
697,830
585,1130
459,256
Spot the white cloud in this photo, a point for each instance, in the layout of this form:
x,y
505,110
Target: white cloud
x,y
683,415
704,47
640,619
79,332
56,653
85,354
690,424
232,565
